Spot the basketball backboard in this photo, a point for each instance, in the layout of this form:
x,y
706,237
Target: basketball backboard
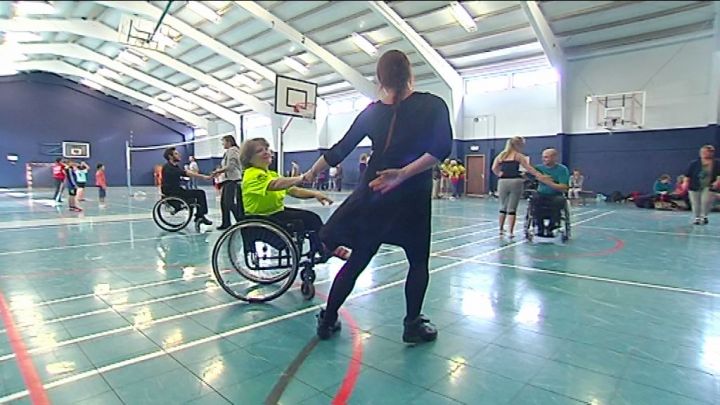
x,y
77,150
136,31
616,111
295,98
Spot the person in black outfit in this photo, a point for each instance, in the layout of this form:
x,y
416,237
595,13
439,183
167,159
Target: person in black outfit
x,y
410,132
171,180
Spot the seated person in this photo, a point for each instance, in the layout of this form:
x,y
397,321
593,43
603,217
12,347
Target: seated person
x,y
662,187
171,185
550,200
263,193
576,184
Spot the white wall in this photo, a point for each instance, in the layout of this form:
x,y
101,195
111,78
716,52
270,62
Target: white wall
x,y
676,78
526,112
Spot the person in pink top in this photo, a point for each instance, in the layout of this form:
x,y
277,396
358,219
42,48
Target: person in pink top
x,y
101,182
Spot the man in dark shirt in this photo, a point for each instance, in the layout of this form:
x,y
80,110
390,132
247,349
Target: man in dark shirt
x,y
171,180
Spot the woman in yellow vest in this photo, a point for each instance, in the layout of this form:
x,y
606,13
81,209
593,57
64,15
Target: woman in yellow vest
x,y
264,191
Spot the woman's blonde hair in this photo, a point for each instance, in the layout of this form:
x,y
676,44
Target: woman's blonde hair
x,y
248,150
512,145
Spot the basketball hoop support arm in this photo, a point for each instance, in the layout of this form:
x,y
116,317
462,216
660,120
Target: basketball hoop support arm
x,y
159,23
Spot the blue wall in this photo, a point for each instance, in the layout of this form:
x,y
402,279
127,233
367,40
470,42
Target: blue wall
x,y
41,108
623,161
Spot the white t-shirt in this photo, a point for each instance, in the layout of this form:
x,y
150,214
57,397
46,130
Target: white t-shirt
x,y
333,172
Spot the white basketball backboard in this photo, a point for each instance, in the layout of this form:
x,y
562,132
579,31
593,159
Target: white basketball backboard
x,y
294,97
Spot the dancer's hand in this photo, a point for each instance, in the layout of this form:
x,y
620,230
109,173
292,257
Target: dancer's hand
x,y
308,177
387,180
323,199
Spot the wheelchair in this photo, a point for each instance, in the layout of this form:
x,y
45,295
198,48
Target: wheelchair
x,y
562,228
173,214
257,259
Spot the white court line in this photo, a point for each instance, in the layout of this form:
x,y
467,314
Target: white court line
x,y
73,220
193,292
597,278
232,332
224,305
695,235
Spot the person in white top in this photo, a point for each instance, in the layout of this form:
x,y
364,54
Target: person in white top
x,y
231,172
193,167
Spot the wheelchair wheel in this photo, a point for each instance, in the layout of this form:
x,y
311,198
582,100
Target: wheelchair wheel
x,y
172,214
307,275
255,260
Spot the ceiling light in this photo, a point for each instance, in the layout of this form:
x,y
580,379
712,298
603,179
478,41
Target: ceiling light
x,y
204,11
364,44
242,80
210,93
296,66
11,53
185,105
157,109
7,70
110,74
91,84
131,58
462,16
34,7
19,36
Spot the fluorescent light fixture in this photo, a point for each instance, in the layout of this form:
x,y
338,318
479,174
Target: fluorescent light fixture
x,y
159,110
462,16
204,11
131,58
11,157
201,132
185,105
210,93
164,97
91,84
10,52
7,70
364,44
296,66
20,36
242,80
110,74
34,7
487,84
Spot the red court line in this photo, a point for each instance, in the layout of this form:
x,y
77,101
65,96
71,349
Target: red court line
x,y
38,396
619,245
353,370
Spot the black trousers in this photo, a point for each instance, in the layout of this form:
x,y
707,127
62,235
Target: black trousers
x,y
196,197
230,202
310,220
548,207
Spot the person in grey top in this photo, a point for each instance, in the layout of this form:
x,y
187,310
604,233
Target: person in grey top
x,y
230,172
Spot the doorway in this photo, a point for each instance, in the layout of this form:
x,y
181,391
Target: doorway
x,y
475,175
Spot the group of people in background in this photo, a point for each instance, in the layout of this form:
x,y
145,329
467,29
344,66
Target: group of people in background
x,y
74,176
447,179
330,179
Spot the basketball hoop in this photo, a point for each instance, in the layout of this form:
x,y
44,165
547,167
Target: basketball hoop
x,y
305,109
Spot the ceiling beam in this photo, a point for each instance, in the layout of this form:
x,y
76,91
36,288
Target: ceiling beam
x,y
94,29
78,52
147,9
66,69
544,34
361,84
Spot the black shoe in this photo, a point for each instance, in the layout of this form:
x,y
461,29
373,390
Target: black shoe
x,y
223,227
326,329
203,220
419,330
705,221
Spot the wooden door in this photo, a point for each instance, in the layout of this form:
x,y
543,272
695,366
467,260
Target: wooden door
x,y
475,175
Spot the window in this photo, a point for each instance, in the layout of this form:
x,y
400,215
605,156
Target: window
x,y
487,84
342,106
534,78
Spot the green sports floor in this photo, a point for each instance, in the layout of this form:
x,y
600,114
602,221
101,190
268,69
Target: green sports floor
x,y
103,307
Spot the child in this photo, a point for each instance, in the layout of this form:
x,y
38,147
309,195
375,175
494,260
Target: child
x,y
576,184
457,174
101,183
72,186
662,187
81,171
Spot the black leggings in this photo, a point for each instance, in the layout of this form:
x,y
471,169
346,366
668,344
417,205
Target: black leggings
x,y
415,284
230,202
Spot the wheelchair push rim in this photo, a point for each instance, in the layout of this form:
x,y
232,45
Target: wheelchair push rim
x,y
172,214
255,260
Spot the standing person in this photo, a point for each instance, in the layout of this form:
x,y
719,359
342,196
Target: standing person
x,y
576,184
81,172
157,174
295,169
193,167
72,186
332,175
436,181
58,172
231,171
701,175
101,183
410,132
457,175
510,183
445,177
338,177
